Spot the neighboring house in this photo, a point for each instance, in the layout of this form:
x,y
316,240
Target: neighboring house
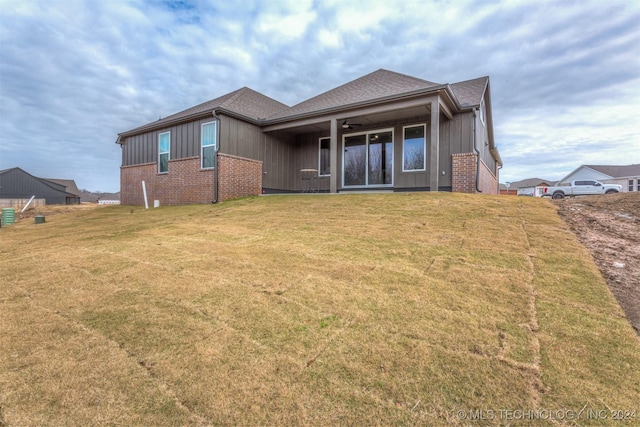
x,y
70,186
628,176
383,131
533,187
15,183
507,191
109,199
101,198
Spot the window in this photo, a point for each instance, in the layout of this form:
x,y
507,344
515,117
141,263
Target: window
x,y
164,142
208,143
414,148
324,159
482,112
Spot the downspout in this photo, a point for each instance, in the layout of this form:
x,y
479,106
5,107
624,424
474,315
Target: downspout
x,y
475,138
216,172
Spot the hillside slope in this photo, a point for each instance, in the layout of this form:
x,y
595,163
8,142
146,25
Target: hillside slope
x,y
321,310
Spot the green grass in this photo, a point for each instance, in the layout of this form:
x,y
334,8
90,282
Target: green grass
x,y
288,310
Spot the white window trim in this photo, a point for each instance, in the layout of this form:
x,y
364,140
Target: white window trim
x,y
202,146
424,168
483,112
320,157
168,151
367,185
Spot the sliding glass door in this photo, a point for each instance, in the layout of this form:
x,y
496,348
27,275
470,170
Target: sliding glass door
x,y
368,159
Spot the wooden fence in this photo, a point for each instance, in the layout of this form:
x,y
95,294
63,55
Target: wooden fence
x,y
19,203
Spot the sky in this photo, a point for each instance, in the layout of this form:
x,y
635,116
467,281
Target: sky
x,y
564,75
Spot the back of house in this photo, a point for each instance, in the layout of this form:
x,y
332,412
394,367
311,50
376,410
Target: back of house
x,y
383,131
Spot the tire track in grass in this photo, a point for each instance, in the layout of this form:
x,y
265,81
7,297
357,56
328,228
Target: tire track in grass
x,y
140,363
327,343
538,386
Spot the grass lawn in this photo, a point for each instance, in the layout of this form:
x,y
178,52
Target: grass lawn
x,y
378,309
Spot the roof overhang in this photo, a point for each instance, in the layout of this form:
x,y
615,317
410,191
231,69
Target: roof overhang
x,y
400,105
406,105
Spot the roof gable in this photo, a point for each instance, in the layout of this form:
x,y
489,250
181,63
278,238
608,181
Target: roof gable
x,y
376,85
617,171
252,104
470,92
69,185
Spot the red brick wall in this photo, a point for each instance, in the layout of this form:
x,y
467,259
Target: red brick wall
x,y
464,168
239,177
186,183
488,181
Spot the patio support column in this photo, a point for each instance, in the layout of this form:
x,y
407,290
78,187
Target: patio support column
x,y
434,140
333,154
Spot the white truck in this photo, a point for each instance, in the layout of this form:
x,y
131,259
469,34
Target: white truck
x,y
581,187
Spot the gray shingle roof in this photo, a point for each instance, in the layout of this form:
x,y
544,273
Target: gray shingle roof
x,y
617,171
245,102
376,85
470,92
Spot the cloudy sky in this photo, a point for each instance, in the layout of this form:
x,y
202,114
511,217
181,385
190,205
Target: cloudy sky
x,y
565,75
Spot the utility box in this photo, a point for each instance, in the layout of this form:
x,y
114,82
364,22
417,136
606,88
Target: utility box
x,y
8,216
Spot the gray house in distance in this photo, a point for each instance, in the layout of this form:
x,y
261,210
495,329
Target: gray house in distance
x,y
626,175
15,183
383,131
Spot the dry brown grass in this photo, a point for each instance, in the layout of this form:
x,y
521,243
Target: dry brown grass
x,y
349,309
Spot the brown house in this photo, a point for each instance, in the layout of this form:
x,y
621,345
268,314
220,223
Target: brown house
x,y
383,131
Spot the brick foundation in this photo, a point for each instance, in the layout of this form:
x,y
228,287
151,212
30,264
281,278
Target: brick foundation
x,y
464,170
186,183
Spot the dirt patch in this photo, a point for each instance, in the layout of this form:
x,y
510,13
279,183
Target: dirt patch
x,y
51,210
609,226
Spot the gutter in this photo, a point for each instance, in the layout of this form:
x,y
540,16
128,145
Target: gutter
x,y
475,117
216,169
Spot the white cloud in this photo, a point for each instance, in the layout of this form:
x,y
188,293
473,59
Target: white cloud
x,y
75,73
330,39
285,20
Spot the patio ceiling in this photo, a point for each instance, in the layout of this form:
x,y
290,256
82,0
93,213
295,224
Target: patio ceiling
x,y
367,117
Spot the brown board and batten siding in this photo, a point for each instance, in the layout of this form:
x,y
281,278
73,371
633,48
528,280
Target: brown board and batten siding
x,y
307,151
483,144
456,136
143,148
276,151
409,179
